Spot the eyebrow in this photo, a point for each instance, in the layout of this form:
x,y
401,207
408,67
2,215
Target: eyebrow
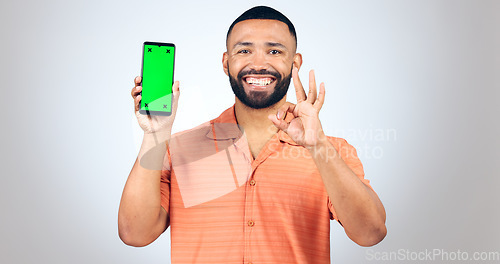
x,y
270,44
246,44
276,44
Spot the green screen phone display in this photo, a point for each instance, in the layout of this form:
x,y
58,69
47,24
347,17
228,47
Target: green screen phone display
x,y
157,78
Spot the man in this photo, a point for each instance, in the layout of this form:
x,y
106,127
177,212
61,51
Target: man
x,y
260,183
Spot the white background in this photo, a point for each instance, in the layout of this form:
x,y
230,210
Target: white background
x,y
413,85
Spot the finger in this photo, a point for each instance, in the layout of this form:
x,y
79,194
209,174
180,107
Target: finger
x,y
175,95
136,91
175,86
282,110
287,107
321,97
311,97
137,80
137,102
280,124
299,90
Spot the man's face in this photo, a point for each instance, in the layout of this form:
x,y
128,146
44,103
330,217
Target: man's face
x,y
259,58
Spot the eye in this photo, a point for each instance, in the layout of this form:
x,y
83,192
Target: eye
x,y
243,51
275,52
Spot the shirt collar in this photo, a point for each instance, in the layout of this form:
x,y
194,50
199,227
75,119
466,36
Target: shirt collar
x,y
225,126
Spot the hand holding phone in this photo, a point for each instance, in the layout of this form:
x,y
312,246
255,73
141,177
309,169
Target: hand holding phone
x,y
154,124
168,94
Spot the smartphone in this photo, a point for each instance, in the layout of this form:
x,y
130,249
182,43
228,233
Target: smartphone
x,y
158,61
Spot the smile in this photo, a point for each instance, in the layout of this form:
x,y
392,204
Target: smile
x,y
259,81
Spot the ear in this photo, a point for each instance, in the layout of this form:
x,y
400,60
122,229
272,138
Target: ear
x,y
224,63
297,60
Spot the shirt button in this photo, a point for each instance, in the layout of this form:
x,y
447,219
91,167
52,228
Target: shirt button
x,y
252,182
251,223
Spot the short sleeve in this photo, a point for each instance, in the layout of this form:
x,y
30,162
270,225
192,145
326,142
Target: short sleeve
x,y
350,157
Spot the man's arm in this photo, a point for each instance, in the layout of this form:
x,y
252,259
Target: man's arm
x,y
357,206
141,218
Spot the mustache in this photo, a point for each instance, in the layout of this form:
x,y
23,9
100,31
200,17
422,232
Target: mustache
x,y
260,72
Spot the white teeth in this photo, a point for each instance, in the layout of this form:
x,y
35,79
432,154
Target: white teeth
x,y
259,81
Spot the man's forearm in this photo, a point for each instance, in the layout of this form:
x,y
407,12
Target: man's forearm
x,y
141,219
358,207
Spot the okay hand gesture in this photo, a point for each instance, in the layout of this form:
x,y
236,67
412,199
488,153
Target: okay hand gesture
x,y
305,128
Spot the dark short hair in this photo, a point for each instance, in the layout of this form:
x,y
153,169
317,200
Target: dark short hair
x,y
264,12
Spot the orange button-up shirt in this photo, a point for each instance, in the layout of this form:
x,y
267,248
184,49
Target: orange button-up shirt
x,y
227,207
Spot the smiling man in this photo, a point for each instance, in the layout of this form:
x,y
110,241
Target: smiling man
x,y
260,183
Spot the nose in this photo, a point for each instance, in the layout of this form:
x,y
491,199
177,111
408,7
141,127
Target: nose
x,y
259,61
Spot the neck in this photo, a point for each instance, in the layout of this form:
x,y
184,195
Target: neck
x,y
256,120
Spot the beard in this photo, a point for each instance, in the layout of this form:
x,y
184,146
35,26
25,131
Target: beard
x,y
259,100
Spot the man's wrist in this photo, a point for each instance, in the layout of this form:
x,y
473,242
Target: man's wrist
x,y
323,150
153,150
158,136
320,142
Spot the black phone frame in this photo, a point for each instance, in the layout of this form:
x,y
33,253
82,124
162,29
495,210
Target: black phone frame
x,y
156,113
